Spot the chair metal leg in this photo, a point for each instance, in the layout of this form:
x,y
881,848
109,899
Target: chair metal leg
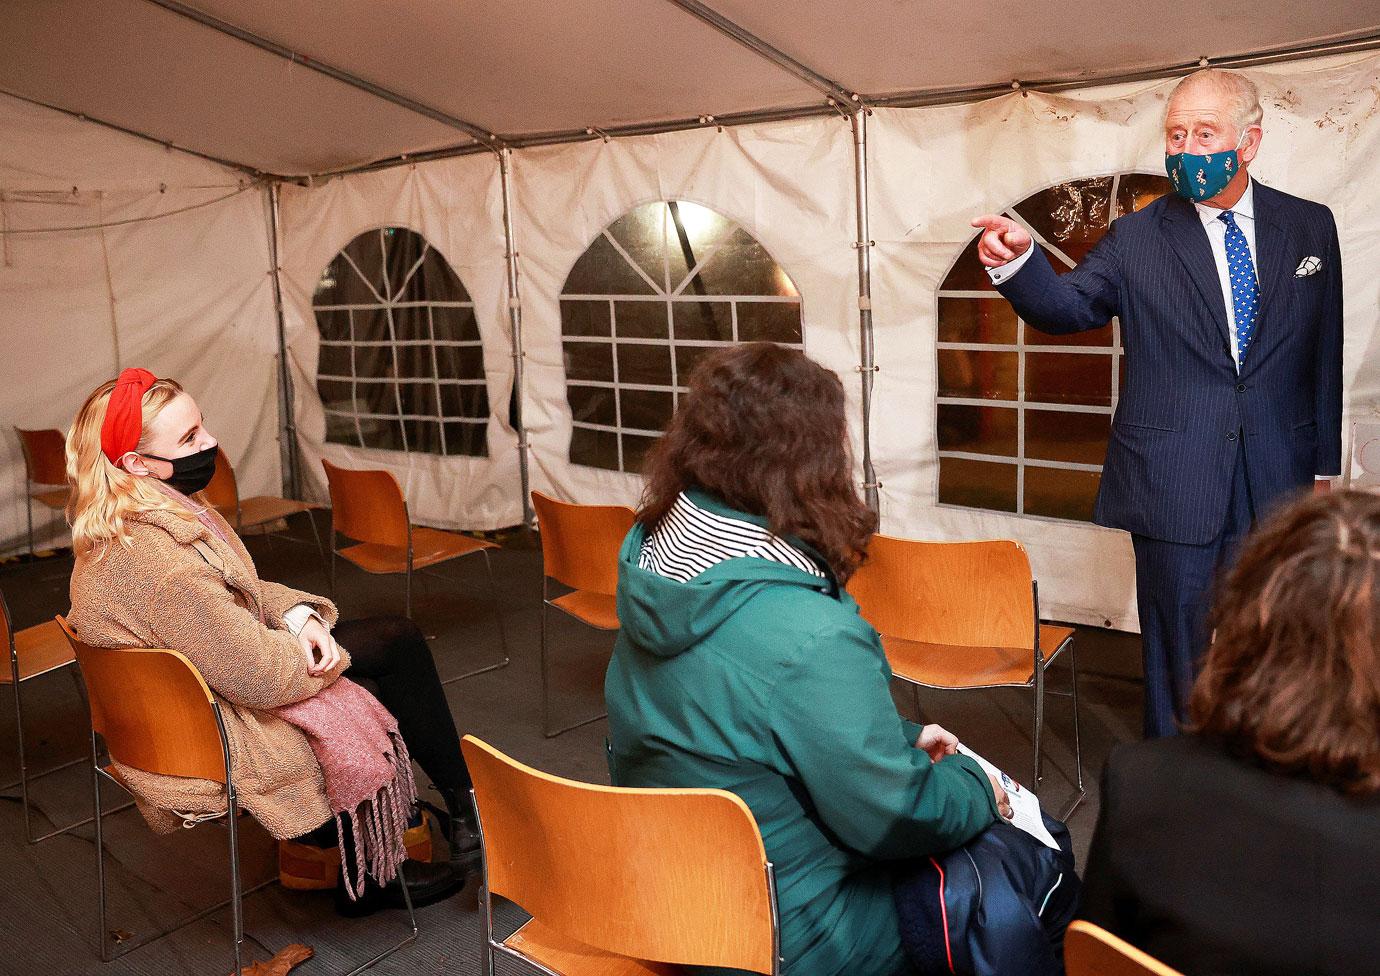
x,y
502,630
25,778
315,534
102,940
545,671
330,570
236,897
407,590
1077,740
30,508
1039,721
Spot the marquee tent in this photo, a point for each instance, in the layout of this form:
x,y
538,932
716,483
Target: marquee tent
x,y
478,214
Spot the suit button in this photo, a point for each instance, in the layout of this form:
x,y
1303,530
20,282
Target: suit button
x,y
1240,387
1231,435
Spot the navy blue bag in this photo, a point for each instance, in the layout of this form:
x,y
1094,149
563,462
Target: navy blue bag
x,y
997,906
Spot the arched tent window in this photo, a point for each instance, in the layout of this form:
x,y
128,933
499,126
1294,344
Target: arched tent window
x,y
402,366
659,287
1023,417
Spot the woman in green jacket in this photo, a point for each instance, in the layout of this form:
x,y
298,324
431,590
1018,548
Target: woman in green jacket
x,y
742,663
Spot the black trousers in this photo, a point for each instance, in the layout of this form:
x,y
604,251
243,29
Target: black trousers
x,y
389,656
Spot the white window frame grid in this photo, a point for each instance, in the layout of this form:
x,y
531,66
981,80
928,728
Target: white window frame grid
x,y
385,303
667,297
1021,404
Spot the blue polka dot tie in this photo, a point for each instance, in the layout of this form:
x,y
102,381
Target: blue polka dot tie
x,y
1245,292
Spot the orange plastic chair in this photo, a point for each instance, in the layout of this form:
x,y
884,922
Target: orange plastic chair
x,y
959,615
45,462
153,711
621,882
369,507
249,513
1093,951
34,652
579,550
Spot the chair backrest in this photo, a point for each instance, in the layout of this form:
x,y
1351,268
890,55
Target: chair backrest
x,y
1093,951
971,594
224,491
367,506
45,455
671,876
580,543
152,708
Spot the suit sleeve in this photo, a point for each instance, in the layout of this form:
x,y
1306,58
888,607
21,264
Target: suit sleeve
x,y
244,661
1085,298
1328,384
837,729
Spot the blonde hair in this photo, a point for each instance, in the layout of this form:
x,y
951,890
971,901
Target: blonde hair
x,y
104,495
1244,111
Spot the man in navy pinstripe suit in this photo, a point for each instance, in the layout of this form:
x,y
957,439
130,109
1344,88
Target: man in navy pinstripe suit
x,y
1229,294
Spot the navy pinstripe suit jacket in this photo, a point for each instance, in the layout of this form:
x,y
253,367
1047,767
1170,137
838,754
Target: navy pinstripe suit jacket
x,y
1174,441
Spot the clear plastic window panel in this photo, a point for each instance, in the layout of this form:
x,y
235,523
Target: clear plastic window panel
x,y
658,289
401,364
1022,418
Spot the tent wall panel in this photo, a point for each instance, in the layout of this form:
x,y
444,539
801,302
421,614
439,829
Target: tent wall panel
x,y
456,204
789,185
187,296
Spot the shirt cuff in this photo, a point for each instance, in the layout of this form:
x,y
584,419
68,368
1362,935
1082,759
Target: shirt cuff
x,y
1324,477
1007,270
296,617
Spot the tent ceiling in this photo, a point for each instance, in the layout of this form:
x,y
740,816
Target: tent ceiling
x,y
524,67
889,46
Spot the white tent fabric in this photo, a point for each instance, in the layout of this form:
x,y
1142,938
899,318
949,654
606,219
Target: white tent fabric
x,y
789,185
520,68
187,296
456,205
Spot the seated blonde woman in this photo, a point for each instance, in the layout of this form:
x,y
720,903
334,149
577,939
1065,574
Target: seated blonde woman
x,y
155,567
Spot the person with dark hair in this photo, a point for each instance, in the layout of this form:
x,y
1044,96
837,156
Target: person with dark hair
x,y
742,663
1252,844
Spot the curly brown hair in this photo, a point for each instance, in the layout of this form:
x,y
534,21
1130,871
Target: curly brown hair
x,y
763,430
1293,674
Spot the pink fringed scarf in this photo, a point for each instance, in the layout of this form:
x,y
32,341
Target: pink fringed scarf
x,y
368,774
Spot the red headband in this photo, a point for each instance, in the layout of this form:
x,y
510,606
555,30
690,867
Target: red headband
x,y
124,415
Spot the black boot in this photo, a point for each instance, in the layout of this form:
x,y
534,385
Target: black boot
x,y
461,827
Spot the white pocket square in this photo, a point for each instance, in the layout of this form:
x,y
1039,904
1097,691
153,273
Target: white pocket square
x,y
1307,267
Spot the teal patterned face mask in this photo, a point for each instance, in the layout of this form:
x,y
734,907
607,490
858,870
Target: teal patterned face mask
x,y
1202,177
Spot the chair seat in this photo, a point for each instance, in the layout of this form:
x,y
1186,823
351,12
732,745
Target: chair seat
x,y
429,547
567,957
595,609
956,666
40,649
263,509
55,498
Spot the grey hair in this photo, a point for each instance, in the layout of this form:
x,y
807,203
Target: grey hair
x,y
1245,108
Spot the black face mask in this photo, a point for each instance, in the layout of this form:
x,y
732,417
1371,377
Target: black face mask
x,y
192,473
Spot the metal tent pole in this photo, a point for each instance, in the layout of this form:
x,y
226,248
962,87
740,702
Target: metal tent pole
x,y
505,157
867,367
287,416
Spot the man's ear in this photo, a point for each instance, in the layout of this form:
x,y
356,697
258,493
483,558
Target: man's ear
x,y
1254,134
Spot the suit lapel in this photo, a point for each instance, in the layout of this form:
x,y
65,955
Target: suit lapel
x,y
1190,242
1273,258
